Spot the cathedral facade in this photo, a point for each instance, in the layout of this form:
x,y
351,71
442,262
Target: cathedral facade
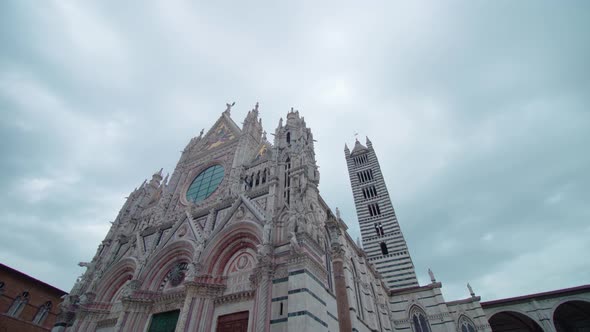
x,y
238,238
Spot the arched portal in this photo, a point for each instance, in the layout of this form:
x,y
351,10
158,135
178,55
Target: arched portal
x,y
572,316
514,322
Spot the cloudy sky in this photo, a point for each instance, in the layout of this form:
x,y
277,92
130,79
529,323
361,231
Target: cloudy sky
x,y
479,112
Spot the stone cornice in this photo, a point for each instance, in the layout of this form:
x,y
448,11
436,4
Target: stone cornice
x,y
414,289
235,297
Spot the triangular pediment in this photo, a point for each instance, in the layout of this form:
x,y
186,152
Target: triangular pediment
x,y
184,229
223,131
242,209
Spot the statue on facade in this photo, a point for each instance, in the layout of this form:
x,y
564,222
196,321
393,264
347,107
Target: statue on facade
x,y
267,233
129,287
294,244
191,271
229,106
470,290
431,274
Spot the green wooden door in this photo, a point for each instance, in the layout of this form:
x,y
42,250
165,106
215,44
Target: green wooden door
x,y
164,321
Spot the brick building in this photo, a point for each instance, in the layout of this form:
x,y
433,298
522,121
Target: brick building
x,y
26,304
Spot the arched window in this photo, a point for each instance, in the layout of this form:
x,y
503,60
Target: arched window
x,y
377,311
359,300
18,304
175,276
466,324
328,262
384,250
288,138
419,320
42,313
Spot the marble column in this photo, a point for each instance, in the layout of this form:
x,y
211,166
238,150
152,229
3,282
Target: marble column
x,y
340,289
197,311
262,280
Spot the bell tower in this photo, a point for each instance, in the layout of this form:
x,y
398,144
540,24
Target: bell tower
x,y
383,239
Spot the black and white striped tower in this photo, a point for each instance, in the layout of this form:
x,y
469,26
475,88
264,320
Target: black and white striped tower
x,y
383,240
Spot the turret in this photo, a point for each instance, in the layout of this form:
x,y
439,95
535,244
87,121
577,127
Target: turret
x,y
253,125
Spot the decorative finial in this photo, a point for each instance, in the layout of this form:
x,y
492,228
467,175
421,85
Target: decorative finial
x,y
337,213
201,133
356,136
358,242
229,106
264,136
291,110
431,276
256,107
470,290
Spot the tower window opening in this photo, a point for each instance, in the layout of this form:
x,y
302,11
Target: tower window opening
x,y
257,178
360,160
369,192
281,309
384,250
288,138
374,209
379,229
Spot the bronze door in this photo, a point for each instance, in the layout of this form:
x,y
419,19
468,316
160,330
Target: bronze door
x,y
236,322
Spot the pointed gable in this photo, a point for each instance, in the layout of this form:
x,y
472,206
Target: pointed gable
x,y
224,130
242,209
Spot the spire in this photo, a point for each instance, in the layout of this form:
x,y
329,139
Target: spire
x,y
358,147
157,177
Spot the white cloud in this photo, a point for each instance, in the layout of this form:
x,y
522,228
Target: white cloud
x,y
480,129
